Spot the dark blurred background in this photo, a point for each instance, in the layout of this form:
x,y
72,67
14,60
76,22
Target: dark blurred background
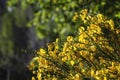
x,y
27,25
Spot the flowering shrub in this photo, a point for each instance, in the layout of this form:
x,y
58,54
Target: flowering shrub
x,y
94,53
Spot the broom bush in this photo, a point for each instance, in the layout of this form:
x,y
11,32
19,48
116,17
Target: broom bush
x,y
93,54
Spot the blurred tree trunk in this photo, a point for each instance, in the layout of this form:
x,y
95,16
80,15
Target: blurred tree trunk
x,y
8,74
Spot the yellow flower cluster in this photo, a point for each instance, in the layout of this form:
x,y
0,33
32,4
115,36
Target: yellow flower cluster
x,y
75,17
84,14
93,54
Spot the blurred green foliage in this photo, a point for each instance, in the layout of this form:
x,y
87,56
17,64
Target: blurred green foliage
x,y
53,18
6,43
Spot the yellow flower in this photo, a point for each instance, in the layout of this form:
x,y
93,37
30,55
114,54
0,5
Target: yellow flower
x,y
56,46
94,29
82,38
50,46
83,14
33,78
64,58
84,53
105,78
65,48
91,57
83,71
53,54
75,16
39,76
81,30
111,23
93,48
69,38
36,58
100,18
72,62
117,31
92,72
82,46
42,52
57,40
109,48
77,77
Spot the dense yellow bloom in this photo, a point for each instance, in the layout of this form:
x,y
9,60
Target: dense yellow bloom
x,y
92,29
92,54
82,38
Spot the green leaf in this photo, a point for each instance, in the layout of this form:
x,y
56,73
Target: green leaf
x,y
40,35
